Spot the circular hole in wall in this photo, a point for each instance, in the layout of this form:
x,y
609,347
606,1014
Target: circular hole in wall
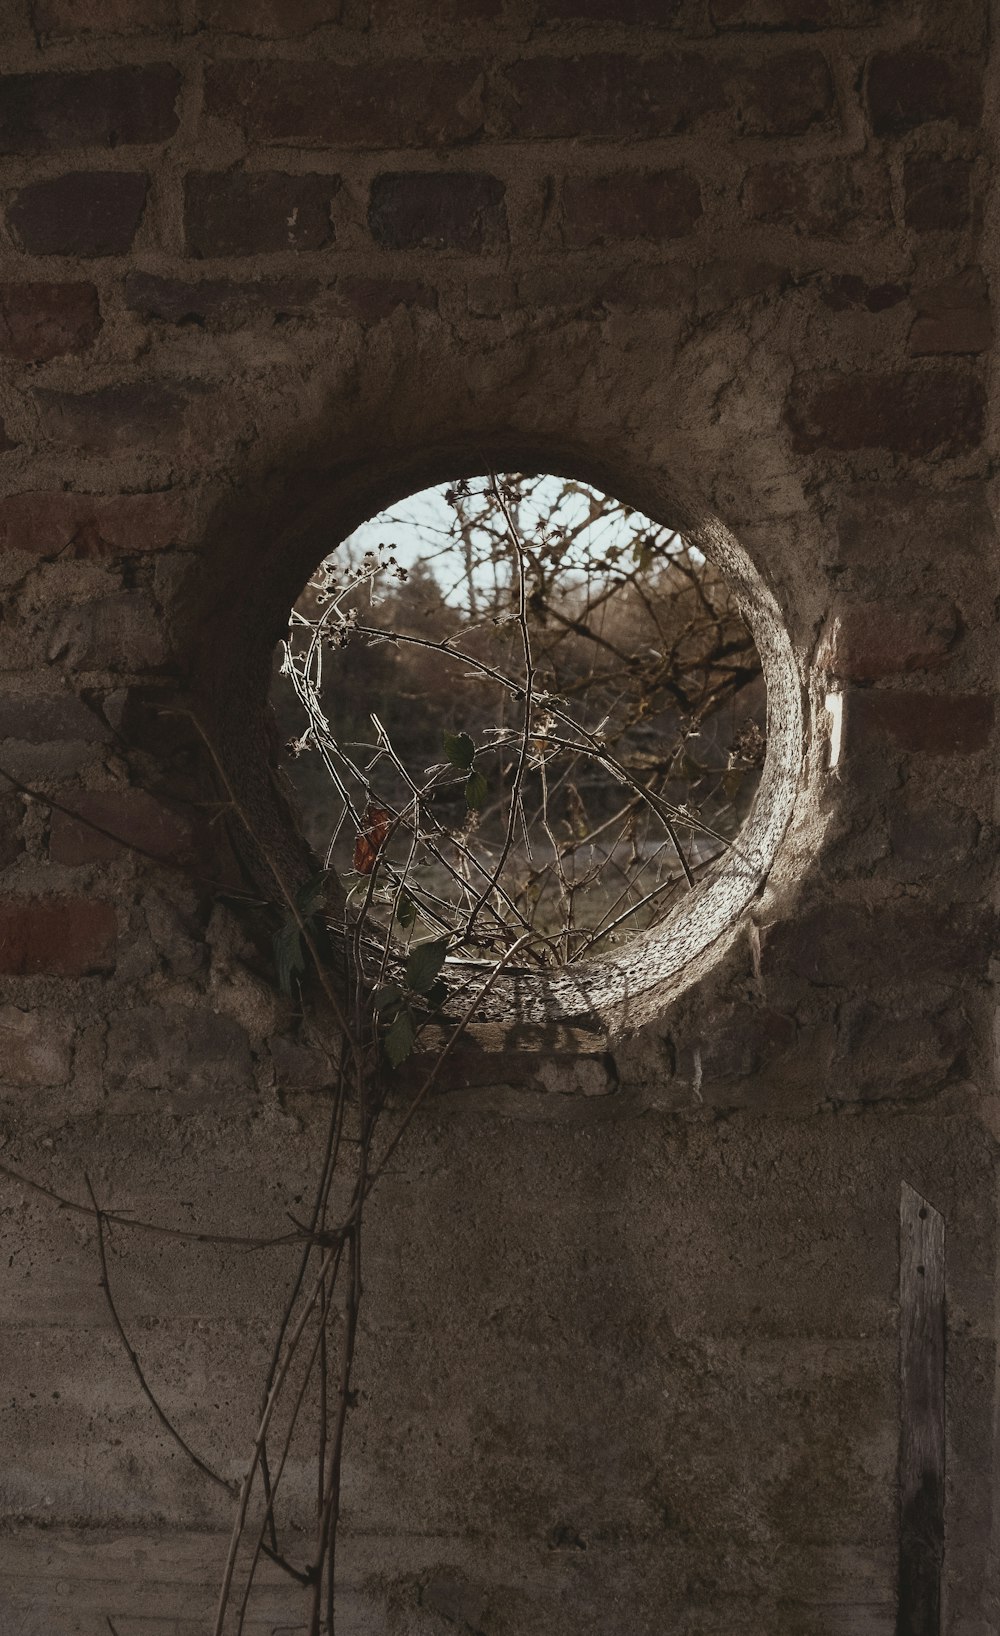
x,y
518,711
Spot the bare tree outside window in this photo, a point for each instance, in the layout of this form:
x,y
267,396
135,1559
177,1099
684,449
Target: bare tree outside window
x,y
538,709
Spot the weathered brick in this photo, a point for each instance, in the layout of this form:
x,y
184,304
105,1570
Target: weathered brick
x,y
113,417
187,1052
605,95
268,19
937,724
38,718
40,321
722,284
326,104
904,522
937,194
913,87
11,833
872,640
91,525
247,213
844,290
437,210
832,942
106,824
64,19
783,95
36,1047
655,13
825,197
85,213
218,301
109,108
802,14
370,299
930,837
298,1067
657,205
953,316
123,632
56,937
908,412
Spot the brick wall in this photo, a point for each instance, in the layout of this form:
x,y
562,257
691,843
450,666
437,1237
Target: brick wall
x,y
629,1361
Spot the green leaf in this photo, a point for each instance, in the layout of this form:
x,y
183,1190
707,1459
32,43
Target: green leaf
x,y
424,963
475,791
387,996
460,750
288,955
406,910
311,897
436,994
399,1038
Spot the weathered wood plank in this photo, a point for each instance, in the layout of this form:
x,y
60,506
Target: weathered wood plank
x,y
922,1411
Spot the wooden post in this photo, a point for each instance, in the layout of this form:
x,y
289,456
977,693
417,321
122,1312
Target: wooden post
x,y
921,1415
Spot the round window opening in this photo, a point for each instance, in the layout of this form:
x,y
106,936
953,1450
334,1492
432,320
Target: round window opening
x,y
527,722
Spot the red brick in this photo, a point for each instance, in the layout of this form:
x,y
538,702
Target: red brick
x,y
133,816
324,104
658,205
114,417
110,108
220,302
602,95
937,724
40,321
872,640
91,525
268,19
85,213
913,413
826,197
56,937
953,316
369,299
784,95
938,194
802,14
437,210
913,87
846,290
248,213
64,19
